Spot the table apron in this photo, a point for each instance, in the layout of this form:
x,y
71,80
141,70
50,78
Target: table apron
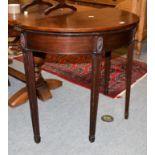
x,y
59,44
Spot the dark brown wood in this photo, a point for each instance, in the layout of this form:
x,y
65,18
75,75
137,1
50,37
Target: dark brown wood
x,y
31,86
88,4
94,3
128,78
81,32
17,74
96,63
88,20
107,71
61,44
55,44
118,39
43,91
35,2
12,32
61,5
10,61
43,86
9,84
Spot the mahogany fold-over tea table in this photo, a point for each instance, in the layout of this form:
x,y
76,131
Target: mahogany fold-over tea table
x,y
96,32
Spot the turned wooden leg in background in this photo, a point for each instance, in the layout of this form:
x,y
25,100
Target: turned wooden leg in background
x,y
43,86
31,87
128,78
96,64
107,71
43,92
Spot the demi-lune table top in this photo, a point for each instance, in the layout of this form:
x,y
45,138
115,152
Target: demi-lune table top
x,y
82,20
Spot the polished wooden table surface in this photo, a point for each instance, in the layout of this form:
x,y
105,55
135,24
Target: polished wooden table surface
x,y
92,20
95,32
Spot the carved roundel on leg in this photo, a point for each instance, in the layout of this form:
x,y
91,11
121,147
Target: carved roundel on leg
x,y
99,45
22,40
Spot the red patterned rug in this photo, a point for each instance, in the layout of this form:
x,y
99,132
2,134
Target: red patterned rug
x,y
78,70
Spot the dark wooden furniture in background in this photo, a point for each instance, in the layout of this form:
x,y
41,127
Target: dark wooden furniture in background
x,y
43,86
61,4
35,2
81,32
97,3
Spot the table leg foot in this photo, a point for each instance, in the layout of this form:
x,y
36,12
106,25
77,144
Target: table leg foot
x,y
91,139
126,116
37,139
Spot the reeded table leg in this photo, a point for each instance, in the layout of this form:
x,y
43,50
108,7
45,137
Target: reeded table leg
x,y
128,78
96,64
31,87
107,71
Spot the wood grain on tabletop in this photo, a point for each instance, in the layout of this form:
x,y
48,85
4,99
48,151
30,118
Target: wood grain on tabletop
x,y
85,19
